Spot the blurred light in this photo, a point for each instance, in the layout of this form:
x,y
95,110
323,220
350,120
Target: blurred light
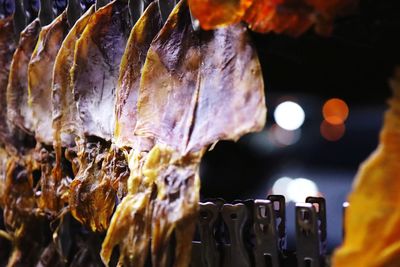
x,y
299,189
281,185
332,132
282,137
335,111
289,115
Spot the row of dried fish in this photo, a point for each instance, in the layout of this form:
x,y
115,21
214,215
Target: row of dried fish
x,y
108,121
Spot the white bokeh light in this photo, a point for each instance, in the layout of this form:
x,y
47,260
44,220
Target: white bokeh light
x,y
289,115
299,189
281,185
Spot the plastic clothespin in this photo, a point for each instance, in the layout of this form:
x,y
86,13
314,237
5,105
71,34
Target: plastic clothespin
x,y
74,11
20,18
279,206
208,217
307,236
266,248
46,14
235,217
321,213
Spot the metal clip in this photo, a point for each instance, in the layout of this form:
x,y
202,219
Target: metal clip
x,y
235,217
321,212
266,251
307,237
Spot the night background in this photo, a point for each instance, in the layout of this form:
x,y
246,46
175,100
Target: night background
x,y
354,64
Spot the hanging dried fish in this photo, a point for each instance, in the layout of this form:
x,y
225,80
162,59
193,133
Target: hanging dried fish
x,y
372,219
95,72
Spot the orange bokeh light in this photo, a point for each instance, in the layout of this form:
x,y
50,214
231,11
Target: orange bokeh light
x,y
335,111
332,132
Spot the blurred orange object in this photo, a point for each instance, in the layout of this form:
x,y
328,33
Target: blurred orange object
x,y
332,132
372,220
280,16
217,13
335,111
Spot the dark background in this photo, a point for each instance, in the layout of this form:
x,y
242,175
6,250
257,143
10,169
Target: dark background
x,y
354,64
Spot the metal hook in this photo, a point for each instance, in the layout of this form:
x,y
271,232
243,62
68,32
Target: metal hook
x,y
101,3
20,18
165,7
46,14
136,9
74,11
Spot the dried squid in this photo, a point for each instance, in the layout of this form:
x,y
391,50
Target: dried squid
x,y
186,76
134,212
64,114
18,112
373,217
94,77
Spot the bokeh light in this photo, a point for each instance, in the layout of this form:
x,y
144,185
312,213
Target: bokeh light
x,y
289,115
332,132
281,185
301,188
296,190
282,137
335,111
